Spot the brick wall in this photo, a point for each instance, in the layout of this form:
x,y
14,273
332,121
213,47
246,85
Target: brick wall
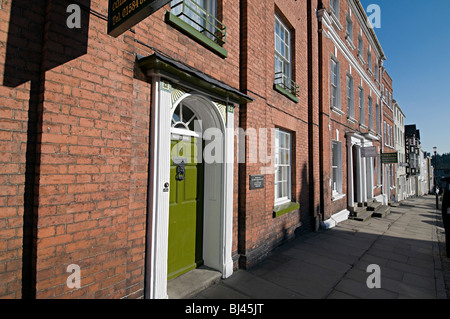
x,y
336,125
21,29
89,168
260,231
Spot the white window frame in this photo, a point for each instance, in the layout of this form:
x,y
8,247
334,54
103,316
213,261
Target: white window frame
x,y
285,58
335,83
376,71
361,48
334,7
349,28
378,118
370,105
369,61
362,107
279,180
350,97
392,136
336,168
388,135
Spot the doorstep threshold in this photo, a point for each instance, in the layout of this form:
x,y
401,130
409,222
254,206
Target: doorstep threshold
x,y
192,282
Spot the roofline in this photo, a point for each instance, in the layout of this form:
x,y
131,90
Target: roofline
x,y
398,107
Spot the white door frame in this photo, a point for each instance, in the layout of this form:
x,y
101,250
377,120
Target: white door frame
x,y
218,222
364,170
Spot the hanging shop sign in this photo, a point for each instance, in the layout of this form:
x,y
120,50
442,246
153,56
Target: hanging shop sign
x,y
370,151
389,158
124,14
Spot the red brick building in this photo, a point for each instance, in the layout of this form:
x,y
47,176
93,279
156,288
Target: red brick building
x,y
83,145
277,70
206,135
350,109
388,135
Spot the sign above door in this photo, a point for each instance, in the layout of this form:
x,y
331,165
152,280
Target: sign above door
x,y
124,14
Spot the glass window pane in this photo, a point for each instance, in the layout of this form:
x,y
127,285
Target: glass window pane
x,y
285,189
282,157
282,141
335,178
284,173
278,174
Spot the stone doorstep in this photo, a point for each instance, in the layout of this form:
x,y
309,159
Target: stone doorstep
x,y
373,206
192,282
382,211
362,215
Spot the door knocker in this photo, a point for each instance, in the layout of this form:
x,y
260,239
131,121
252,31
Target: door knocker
x,y
180,162
181,173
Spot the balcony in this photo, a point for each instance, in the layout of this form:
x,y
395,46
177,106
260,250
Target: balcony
x,y
195,21
286,86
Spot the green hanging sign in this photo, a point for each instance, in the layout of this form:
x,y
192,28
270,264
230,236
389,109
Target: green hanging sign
x,y
389,158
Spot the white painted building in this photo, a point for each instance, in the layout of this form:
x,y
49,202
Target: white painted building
x,y
399,134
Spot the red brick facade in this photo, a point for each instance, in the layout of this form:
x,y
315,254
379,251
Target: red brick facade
x,y
388,133
271,109
356,56
75,136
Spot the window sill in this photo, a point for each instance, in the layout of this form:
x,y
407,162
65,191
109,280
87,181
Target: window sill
x,y
337,196
337,110
286,93
352,120
336,20
283,209
350,42
361,59
179,24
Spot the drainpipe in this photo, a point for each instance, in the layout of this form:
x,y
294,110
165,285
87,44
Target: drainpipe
x,y
323,184
383,187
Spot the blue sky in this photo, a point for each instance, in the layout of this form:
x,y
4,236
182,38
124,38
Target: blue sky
x,y
415,36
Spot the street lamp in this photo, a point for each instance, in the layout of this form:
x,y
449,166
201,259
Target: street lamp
x,y
435,177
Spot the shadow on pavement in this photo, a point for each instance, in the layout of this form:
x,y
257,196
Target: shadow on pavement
x,y
334,264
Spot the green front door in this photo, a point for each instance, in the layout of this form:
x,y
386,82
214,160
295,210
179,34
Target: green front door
x,y
186,208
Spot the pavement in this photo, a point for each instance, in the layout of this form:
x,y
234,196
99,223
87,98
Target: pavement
x,y
405,246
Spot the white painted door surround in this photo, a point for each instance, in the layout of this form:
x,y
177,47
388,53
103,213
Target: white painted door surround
x,y
218,182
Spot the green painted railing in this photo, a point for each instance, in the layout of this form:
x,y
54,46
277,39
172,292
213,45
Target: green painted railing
x,y
209,25
287,84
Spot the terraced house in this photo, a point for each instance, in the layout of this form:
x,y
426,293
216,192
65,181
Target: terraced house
x,y
351,76
204,135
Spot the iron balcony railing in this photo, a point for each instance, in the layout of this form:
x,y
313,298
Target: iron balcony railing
x,y
206,22
287,84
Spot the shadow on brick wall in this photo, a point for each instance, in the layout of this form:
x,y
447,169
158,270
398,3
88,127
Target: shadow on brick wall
x,y
38,40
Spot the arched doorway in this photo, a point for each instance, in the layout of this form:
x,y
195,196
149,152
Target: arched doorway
x,y
194,127
196,208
